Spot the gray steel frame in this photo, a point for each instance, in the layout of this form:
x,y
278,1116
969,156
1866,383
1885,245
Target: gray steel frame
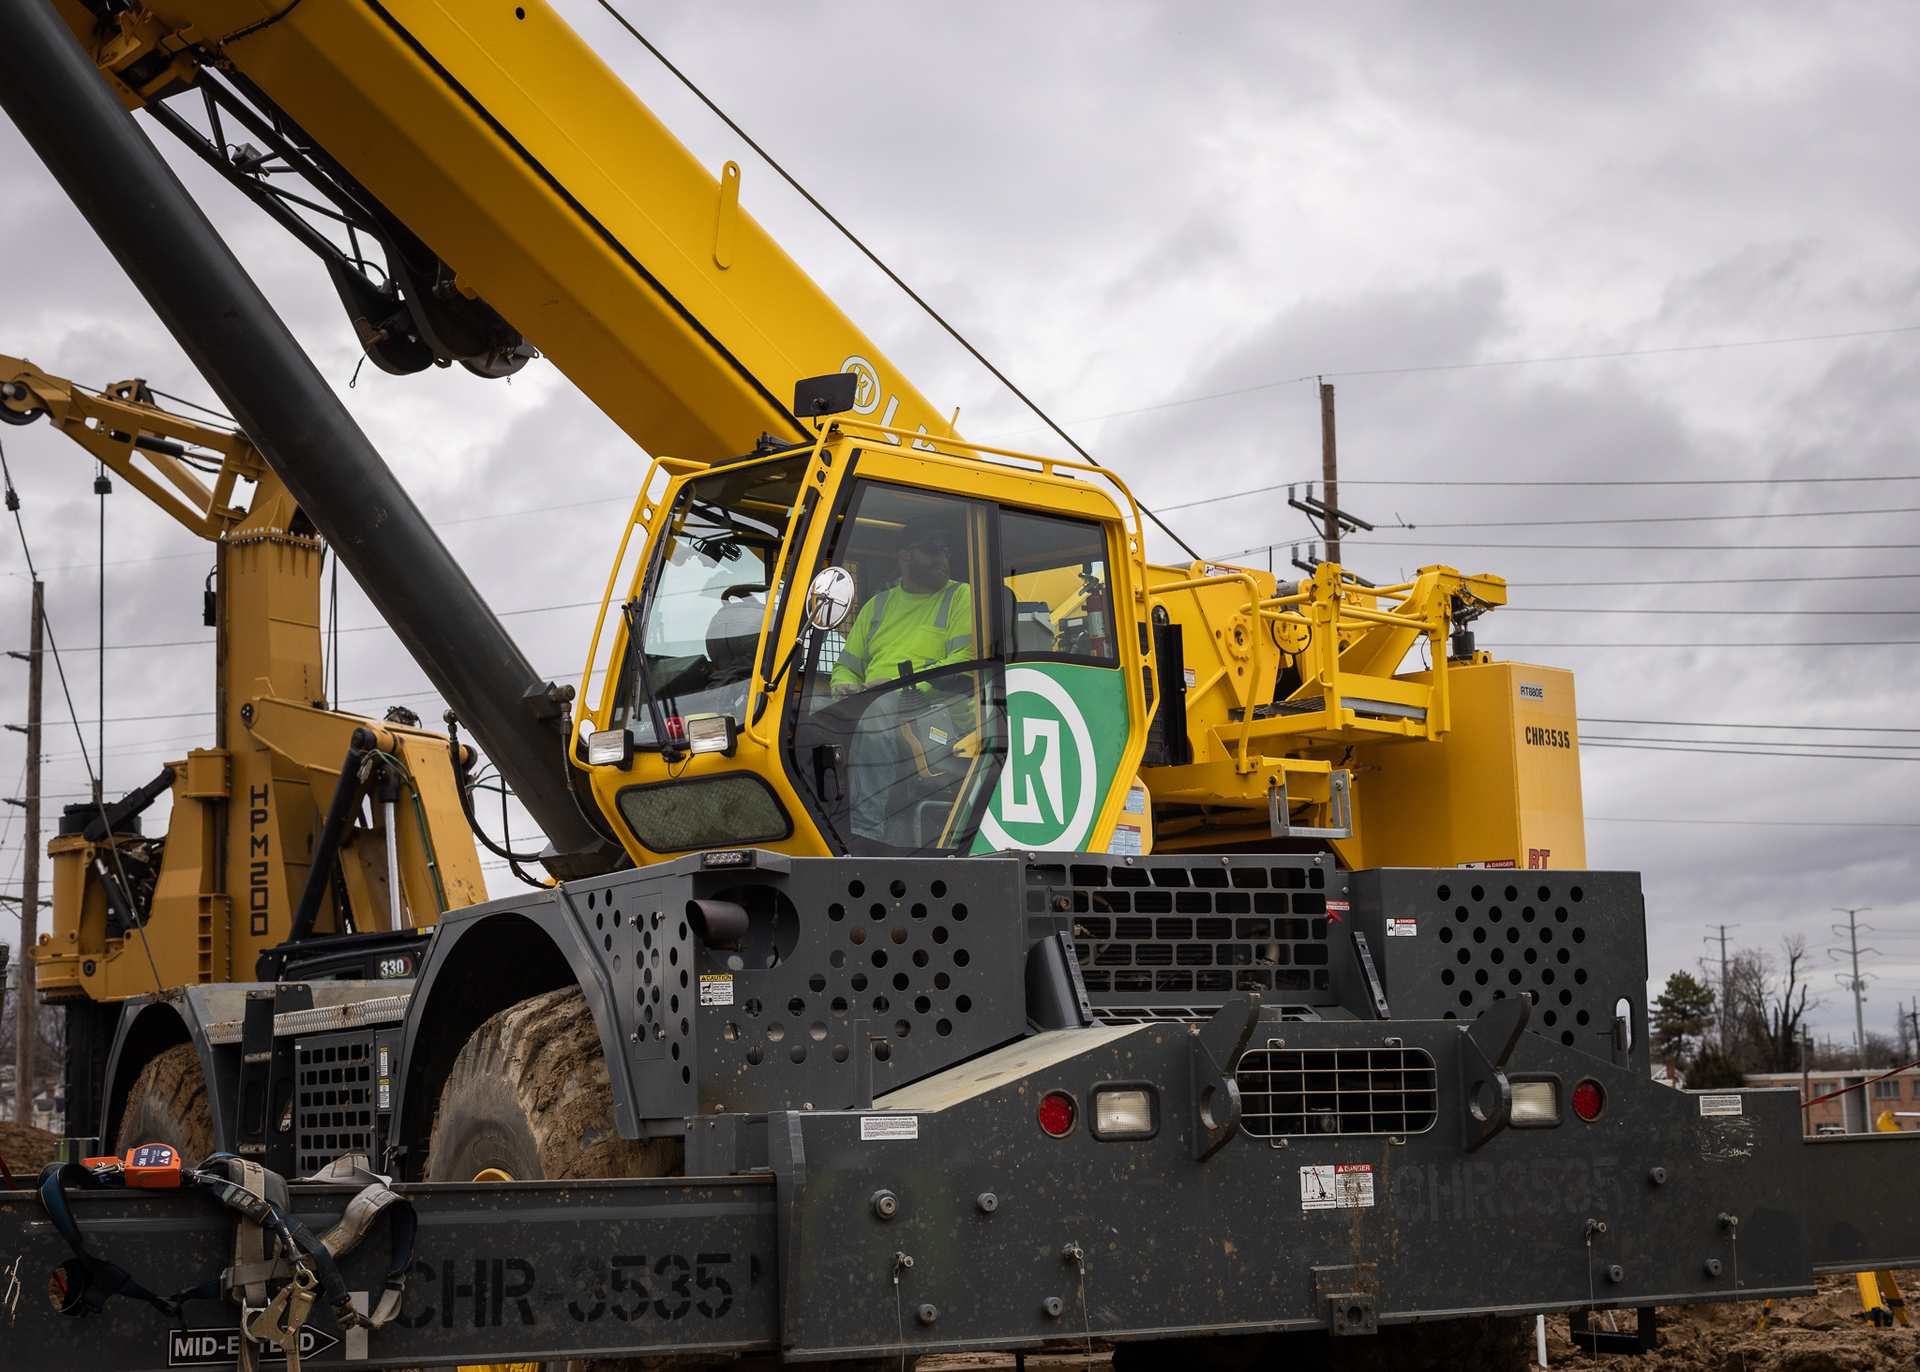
x,y
1133,1238
1199,1227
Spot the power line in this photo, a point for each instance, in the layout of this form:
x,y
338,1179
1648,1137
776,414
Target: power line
x,y
1469,366
1767,643
1591,585
1746,752
1753,742
356,629
1636,352
1709,724
1760,823
1411,543
1617,610
1761,743
874,258
1620,482
1655,519
1628,547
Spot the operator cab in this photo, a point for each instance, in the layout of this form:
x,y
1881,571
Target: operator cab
x,y
888,722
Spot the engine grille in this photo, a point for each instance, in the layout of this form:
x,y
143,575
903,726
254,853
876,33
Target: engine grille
x,y
1163,929
1287,1092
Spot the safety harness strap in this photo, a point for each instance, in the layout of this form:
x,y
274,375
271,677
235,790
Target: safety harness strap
x,y
88,1281
306,1263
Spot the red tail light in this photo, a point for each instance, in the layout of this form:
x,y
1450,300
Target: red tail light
x,y
1057,1113
1589,1100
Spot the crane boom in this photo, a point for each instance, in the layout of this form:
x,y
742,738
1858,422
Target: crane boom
x,y
500,140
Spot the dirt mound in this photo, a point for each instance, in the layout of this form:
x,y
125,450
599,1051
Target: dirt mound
x,y
1824,1332
26,1150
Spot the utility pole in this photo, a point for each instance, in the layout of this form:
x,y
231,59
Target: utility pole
x,y
1853,983
24,1008
1722,938
1806,1079
102,487
1330,472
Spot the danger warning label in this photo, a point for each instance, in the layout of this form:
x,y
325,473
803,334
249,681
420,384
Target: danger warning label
x,y
1343,1186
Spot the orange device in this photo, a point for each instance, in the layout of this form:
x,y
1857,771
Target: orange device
x,y
153,1165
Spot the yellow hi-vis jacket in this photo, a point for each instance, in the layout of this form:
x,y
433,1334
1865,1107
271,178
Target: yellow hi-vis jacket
x,y
897,626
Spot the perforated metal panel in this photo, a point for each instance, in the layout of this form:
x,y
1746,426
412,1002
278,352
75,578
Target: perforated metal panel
x,y
1575,941
856,976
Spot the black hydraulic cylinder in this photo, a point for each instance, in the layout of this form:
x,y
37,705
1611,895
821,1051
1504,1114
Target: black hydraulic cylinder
x,y
346,800
65,109
131,804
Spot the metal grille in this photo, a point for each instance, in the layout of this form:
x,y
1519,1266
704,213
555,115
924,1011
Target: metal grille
x,y
1287,1091
333,1099
1163,929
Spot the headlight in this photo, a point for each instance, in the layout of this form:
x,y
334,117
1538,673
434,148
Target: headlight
x,y
1536,1103
1124,1112
610,748
711,734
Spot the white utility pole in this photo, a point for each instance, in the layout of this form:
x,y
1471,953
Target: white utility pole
x,y
1853,983
1722,1018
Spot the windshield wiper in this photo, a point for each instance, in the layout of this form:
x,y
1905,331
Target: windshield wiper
x,y
638,652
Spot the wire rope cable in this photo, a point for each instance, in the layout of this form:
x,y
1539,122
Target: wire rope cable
x,y
874,258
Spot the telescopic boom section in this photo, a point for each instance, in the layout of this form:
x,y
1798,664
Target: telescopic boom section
x,y
54,94
495,139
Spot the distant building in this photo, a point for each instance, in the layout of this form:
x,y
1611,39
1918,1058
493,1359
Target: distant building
x,y
1858,1111
49,1110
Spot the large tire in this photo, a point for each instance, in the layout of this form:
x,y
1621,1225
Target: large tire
x,y
168,1104
1484,1343
529,1098
1488,1343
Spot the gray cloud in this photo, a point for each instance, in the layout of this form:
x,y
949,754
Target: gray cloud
x,y
1127,205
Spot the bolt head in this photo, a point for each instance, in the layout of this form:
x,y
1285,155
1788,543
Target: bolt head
x,y
1053,1306
928,1314
1616,1273
885,1205
1713,1267
987,1201
1657,1175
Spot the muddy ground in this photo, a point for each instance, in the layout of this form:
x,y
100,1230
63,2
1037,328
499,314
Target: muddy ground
x,y
1821,1333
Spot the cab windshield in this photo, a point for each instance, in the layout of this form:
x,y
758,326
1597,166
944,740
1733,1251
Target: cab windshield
x,y
696,622
900,736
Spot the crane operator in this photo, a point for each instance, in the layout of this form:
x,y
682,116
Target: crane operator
x,y
923,621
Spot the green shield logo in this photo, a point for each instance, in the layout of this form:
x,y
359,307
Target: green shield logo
x,y
1066,729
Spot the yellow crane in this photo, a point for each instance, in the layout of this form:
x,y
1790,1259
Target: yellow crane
x,y
267,856
834,627
508,175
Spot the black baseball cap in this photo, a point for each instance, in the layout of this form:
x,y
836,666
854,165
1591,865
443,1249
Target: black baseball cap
x,y
927,529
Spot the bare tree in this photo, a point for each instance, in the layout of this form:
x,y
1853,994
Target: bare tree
x,y
50,1042
1766,1004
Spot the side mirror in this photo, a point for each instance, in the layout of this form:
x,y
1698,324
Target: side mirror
x,y
818,396
830,598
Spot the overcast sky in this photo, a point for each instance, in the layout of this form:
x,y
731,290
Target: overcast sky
x,y
1158,221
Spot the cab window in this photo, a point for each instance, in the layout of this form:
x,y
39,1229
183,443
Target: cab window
x,y
1053,575
697,621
